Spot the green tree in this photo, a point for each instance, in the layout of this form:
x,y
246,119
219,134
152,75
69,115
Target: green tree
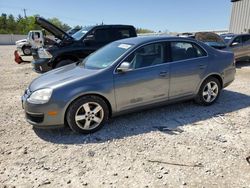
x,y
11,24
20,25
59,24
3,23
141,30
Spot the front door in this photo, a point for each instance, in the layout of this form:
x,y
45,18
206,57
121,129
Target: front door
x,y
146,82
236,47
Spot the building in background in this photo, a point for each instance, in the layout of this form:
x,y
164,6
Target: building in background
x,y
240,17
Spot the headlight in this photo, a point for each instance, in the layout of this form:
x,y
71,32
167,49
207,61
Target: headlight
x,y
42,53
41,96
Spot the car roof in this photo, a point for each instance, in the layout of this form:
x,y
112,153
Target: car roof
x,y
148,39
112,25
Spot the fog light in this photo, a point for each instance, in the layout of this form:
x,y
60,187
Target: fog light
x,y
40,67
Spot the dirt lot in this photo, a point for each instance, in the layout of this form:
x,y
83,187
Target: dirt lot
x,y
208,149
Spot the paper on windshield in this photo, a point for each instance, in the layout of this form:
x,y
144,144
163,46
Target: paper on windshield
x,y
124,46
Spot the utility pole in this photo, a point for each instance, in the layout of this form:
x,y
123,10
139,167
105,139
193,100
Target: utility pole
x,y
24,11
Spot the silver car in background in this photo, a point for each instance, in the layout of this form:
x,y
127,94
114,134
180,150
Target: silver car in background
x,y
239,44
124,76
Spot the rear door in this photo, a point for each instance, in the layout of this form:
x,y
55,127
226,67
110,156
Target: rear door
x,y
187,67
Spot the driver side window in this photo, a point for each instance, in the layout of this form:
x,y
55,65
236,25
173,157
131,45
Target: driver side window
x,y
237,40
146,56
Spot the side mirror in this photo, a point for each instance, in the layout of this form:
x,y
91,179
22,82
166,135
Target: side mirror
x,y
124,67
235,44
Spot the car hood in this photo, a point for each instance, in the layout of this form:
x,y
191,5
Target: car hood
x,y
61,76
211,39
57,32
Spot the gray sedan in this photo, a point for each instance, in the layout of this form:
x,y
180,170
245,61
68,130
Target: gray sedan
x,y
239,44
125,76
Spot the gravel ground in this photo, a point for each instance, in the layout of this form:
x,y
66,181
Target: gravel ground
x,y
204,147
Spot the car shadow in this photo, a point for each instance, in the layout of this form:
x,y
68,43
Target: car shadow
x,y
168,119
241,64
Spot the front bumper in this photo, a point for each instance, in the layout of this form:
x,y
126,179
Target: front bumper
x,y
41,65
38,114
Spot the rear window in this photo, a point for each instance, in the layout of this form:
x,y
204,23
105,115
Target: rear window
x,y
185,50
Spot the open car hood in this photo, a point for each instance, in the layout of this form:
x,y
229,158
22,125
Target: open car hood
x,y
211,39
57,32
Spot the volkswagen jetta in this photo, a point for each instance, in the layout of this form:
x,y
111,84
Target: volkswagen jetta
x,y
124,76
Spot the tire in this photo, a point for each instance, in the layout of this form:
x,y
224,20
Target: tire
x,y
209,95
26,50
63,63
87,114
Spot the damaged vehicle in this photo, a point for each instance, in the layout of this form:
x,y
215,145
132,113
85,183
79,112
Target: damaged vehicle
x,y
74,48
35,39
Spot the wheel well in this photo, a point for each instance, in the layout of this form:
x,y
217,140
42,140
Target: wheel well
x,y
218,78
97,95
26,46
60,58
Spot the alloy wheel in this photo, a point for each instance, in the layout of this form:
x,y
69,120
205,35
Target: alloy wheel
x,y
89,116
210,91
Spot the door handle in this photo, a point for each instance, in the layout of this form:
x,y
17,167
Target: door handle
x,y
164,73
202,66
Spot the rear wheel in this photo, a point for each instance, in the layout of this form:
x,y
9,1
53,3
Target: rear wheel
x,y
87,114
64,62
209,91
26,50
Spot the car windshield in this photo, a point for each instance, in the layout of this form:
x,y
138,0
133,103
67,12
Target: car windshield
x,y
79,34
227,38
106,56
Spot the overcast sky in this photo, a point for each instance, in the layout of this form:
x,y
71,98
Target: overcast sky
x,y
171,15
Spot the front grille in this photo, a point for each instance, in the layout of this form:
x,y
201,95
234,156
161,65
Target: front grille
x,y
36,118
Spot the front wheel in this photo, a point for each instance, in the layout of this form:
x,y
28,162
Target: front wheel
x,y
87,114
27,50
209,92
